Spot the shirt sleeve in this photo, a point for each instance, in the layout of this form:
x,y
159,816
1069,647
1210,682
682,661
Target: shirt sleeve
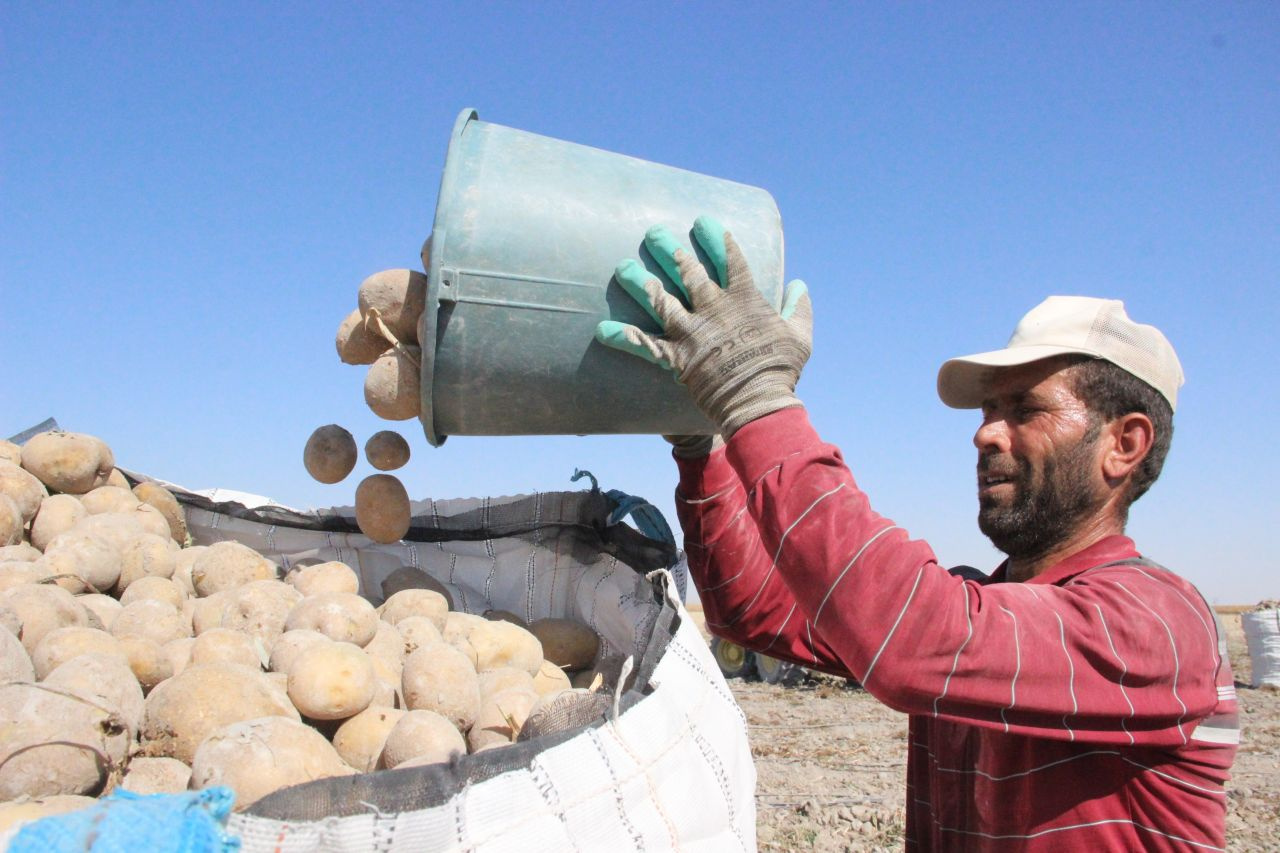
x,y
742,599
1118,655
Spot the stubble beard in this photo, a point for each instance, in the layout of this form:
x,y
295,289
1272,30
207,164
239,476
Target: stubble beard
x,y
1046,509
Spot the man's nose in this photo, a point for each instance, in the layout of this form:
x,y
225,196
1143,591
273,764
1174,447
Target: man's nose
x,y
993,434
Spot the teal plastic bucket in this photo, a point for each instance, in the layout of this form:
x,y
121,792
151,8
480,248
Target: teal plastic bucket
x,y
520,262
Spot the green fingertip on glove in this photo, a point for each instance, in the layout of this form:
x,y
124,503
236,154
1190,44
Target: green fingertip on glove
x,y
709,234
739,357
632,276
795,293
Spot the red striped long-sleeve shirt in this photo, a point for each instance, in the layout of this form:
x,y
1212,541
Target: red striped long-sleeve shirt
x,y
1091,707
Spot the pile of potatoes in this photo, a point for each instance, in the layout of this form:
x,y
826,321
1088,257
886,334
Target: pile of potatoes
x,y
131,658
382,332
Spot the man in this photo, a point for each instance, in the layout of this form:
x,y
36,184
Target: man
x,y
1079,698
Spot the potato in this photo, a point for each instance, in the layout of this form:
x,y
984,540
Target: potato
x,y
68,462
227,565
424,735
14,573
53,743
153,494
382,508
10,623
105,679
498,644
10,522
206,613
387,646
566,643
182,563
148,660
391,388
505,616
104,607
359,740
289,645
184,710
91,558
386,450
385,693
62,644
257,756
14,814
146,555
407,577
260,609
550,679
117,478
324,577
23,552
416,602
156,776
15,663
417,631
458,626
223,645
355,343
108,499
340,616
155,620
399,297
23,489
500,718
57,514
438,677
504,678
42,608
10,452
330,454
178,653
155,589
331,681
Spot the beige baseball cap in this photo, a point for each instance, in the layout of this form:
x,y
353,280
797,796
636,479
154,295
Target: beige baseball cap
x,y
1063,325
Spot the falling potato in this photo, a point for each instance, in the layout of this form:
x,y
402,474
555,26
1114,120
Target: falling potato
x,y
398,297
391,386
330,453
355,343
386,450
382,508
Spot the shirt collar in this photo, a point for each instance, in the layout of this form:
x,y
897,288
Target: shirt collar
x,y
1105,550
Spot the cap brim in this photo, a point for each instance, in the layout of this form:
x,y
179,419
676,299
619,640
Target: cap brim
x,y
963,381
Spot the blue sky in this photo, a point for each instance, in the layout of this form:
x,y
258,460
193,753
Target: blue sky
x,y
190,196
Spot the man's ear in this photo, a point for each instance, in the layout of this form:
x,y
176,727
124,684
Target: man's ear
x,y
1130,438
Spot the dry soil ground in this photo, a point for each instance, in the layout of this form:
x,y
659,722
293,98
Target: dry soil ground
x,y
831,760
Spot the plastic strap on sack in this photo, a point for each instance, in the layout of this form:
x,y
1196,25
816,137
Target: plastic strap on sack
x,y
648,519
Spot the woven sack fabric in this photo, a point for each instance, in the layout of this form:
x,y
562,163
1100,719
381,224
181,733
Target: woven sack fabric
x,y
667,767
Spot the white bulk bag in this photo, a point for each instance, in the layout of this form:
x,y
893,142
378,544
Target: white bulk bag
x,y
1262,634
668,765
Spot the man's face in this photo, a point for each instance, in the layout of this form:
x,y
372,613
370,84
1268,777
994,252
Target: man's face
x,y
1039,476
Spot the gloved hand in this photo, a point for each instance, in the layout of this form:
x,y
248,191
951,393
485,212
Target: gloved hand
x,y
694,446
738,357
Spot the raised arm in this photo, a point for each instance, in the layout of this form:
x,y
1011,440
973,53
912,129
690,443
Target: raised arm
x,y
1138,643
742,599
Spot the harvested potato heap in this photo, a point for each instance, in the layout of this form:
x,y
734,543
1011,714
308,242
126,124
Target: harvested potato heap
x,y
129,660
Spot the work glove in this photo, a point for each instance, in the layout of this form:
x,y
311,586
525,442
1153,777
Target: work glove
x,y
739,358
693,446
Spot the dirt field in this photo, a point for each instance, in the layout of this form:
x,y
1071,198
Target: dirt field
x,y
831,760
